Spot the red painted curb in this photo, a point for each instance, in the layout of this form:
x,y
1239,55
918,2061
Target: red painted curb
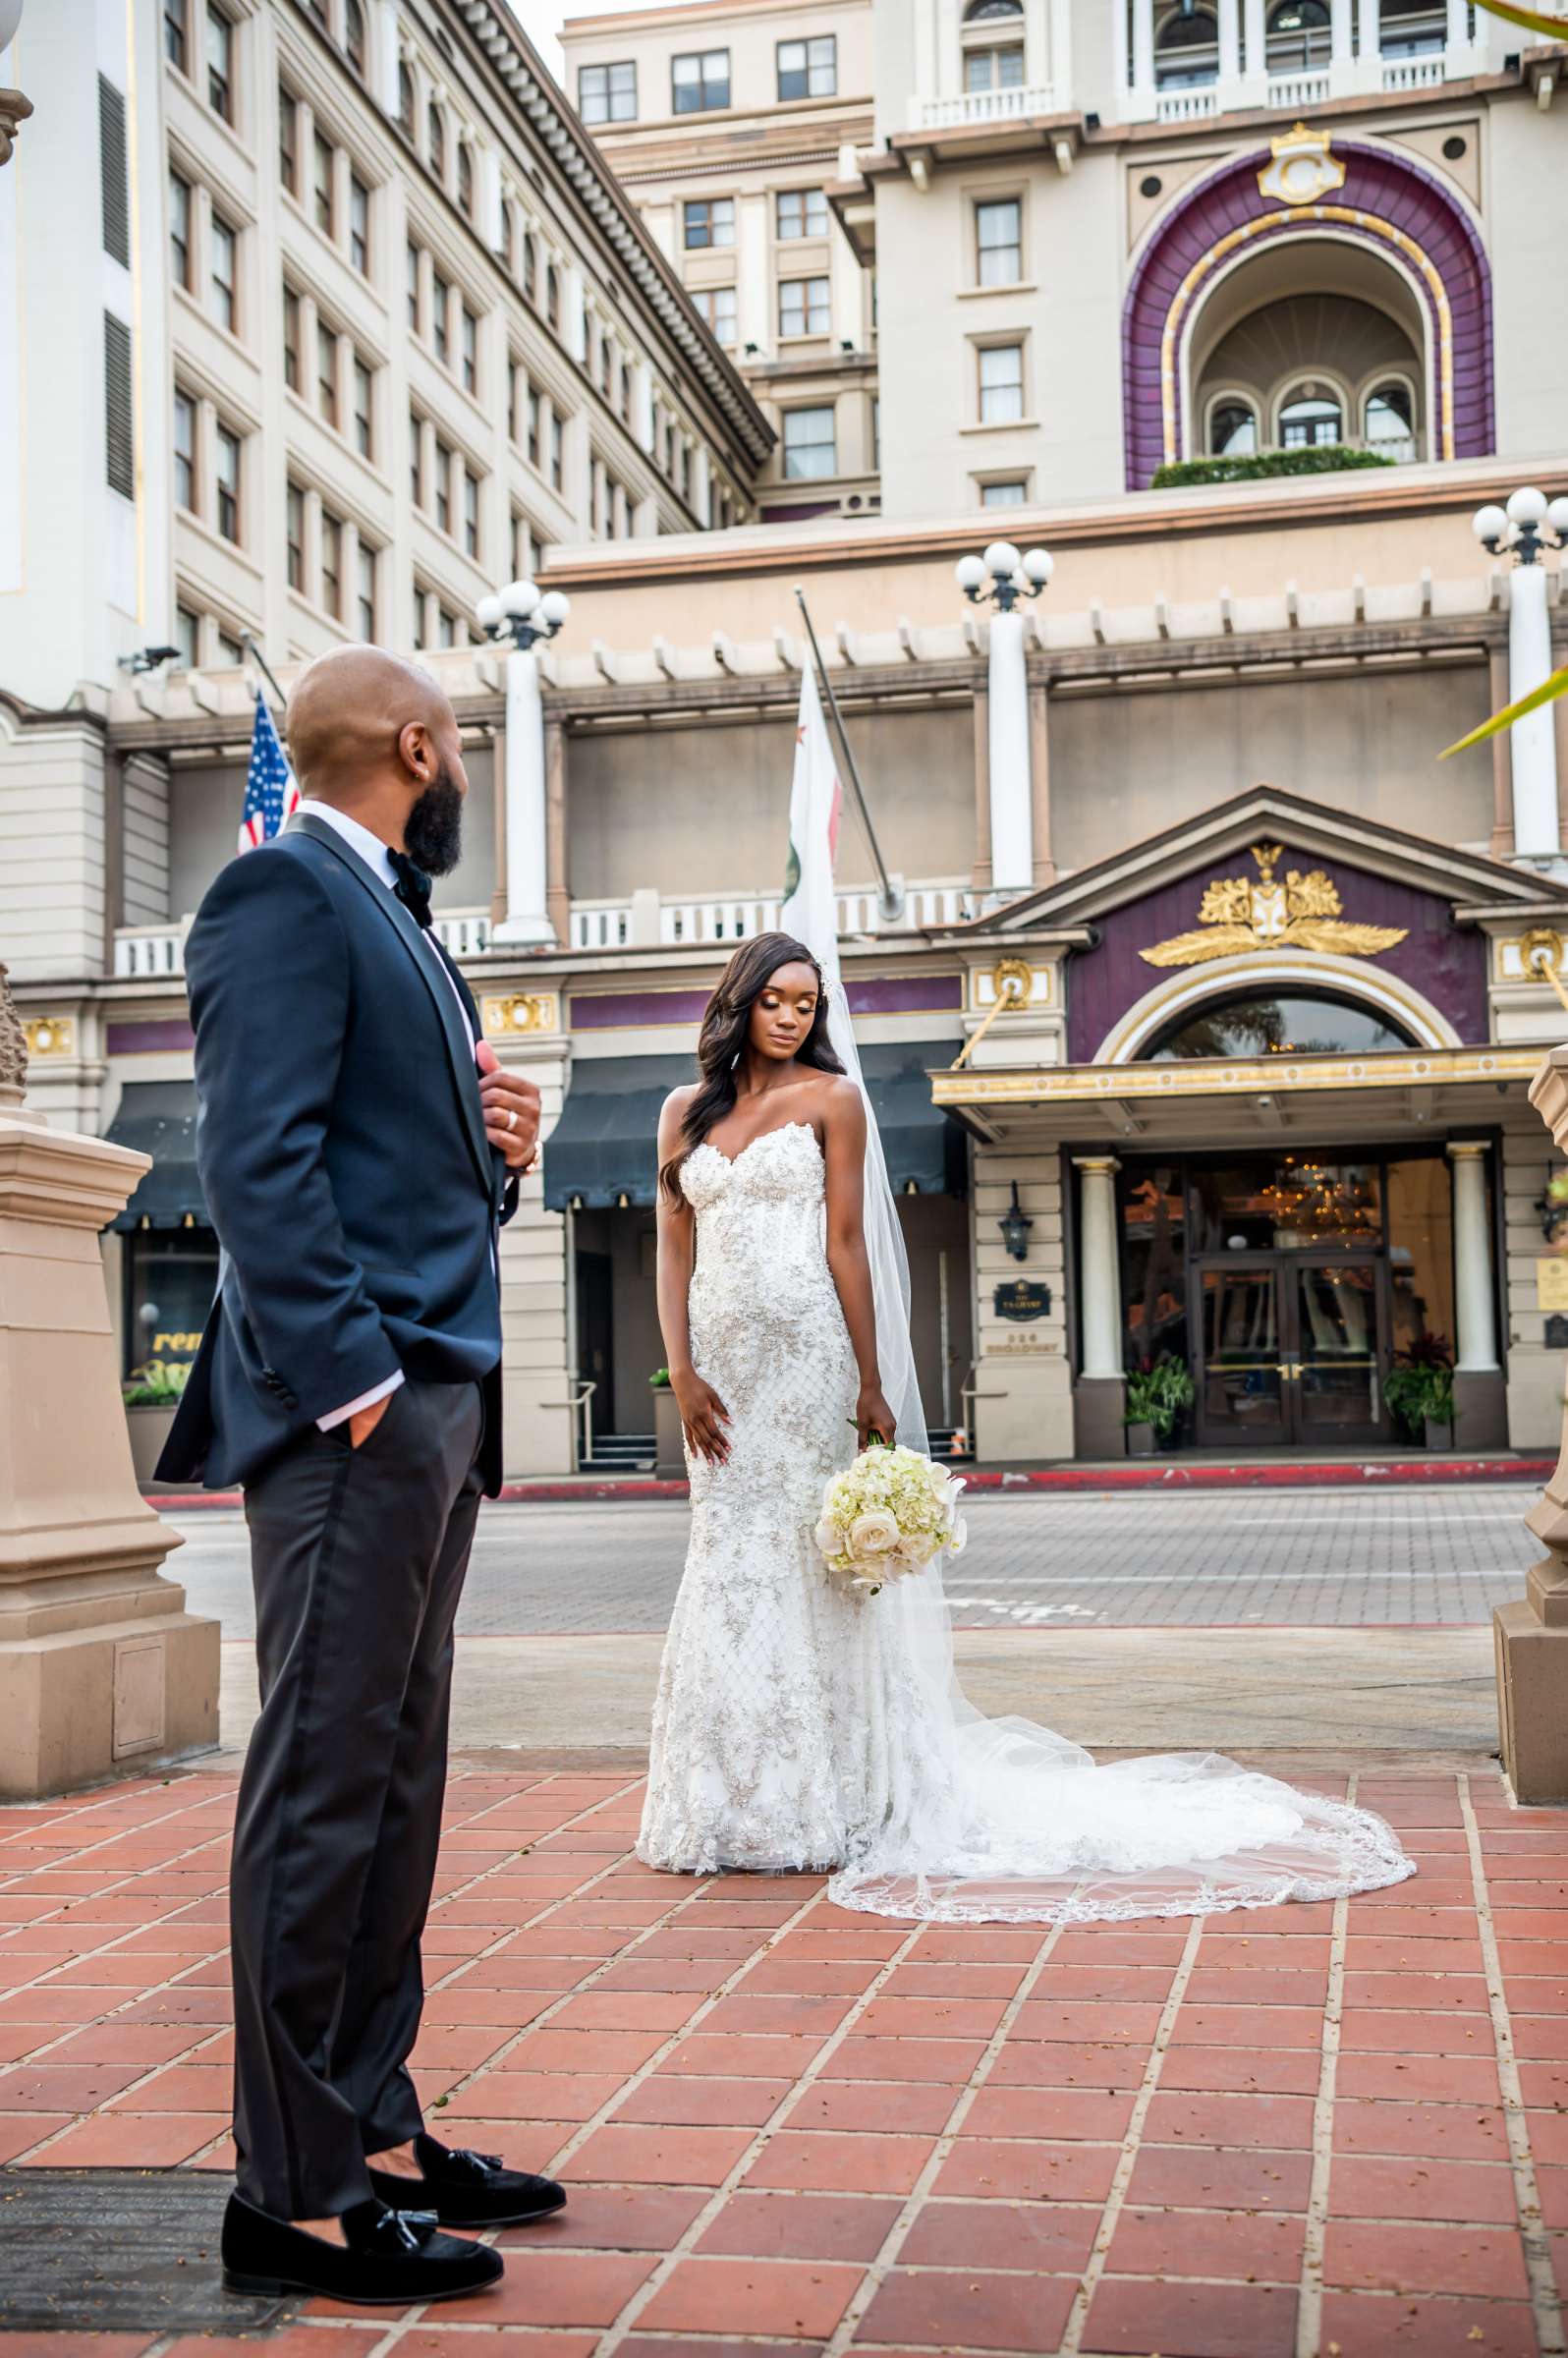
x,y
1409,1473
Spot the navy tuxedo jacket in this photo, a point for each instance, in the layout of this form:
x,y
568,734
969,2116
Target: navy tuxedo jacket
x,y
341,1143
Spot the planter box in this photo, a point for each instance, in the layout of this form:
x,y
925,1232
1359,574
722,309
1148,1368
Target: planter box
x,y
1440,1437
669,1450
1140,1441
150,1429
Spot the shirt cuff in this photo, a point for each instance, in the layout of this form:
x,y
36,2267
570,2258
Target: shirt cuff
x,y
341,1416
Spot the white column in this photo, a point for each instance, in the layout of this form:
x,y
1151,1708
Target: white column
x,y
1012,822
1099,1304
1229,42
1342,37
1474,1310
701,486
1532,740
1256,62
1369,35
1122,104
526,920
1458,42
573,313
1143,60
1060,74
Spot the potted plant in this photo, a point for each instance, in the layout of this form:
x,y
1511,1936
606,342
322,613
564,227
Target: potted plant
x,y
1158,1391
151,1394
1419,1392
669,1450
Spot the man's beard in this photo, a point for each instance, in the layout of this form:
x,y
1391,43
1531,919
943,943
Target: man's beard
x,y
432,832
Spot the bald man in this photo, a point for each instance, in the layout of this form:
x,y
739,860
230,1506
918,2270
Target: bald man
x,y
359,1146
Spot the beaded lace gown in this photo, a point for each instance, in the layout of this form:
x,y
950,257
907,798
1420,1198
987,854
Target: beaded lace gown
x,y
799,1725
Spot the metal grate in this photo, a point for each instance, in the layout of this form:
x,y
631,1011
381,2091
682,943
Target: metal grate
x,y
93,2251
119,437
114,174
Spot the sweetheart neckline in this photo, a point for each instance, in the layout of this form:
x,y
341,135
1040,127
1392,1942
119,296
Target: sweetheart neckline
x,y
733,1161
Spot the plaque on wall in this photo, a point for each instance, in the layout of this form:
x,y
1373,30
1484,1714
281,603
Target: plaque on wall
x,y
1022,1299
1552,1282
1557,1334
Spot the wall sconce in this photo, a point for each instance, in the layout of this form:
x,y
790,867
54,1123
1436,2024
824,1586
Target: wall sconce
x,y
1015,1225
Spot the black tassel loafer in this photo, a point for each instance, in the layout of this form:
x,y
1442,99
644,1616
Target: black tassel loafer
x,y
469,2190
390,2258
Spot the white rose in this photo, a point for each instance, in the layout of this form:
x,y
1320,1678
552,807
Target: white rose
x,y
873,1533
827,1538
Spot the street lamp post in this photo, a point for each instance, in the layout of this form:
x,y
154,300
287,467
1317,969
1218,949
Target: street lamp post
x,y
1529,525
517,618
1003,580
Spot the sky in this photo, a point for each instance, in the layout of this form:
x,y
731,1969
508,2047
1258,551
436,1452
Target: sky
x,y
541,20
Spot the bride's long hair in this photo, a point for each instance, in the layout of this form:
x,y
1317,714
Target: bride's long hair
x,y
723,1037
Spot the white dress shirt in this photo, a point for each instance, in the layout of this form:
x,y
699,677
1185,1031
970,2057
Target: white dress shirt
x,y
378,858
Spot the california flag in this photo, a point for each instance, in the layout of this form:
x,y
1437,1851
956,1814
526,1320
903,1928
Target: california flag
x,y
810,906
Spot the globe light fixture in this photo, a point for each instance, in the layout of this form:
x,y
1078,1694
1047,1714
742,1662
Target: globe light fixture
x,y
1529,524
521,615
1002,576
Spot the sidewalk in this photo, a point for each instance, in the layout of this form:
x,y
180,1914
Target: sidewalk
x,y
1315,2129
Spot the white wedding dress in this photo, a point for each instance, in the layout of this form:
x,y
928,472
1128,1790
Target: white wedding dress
x,y
799,1725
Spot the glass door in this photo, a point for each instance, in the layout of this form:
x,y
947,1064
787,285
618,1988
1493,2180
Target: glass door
x,y
1336,1325
1291,1351
1243,1388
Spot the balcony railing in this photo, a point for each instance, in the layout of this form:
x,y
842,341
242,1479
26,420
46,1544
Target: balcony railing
x,y
1304,87
609,924
150,953
1201,91
984,106
1415,73
1188,105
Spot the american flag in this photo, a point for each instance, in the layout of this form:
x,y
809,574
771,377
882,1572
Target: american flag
x,y
270,793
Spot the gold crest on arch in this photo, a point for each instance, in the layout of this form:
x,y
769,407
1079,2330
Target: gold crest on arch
x,y
1293,912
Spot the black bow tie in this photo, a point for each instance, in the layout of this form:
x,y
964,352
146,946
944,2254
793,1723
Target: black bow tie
x,y
412,886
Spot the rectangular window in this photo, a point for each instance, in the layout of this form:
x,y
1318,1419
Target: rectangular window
x,y
332,565
289,141
365,616
445,628
1001,384
416,458
176,40
557,454
114,182
999,243
801,213
414,287
1003,495
291,339
230,650
223,245
326,374
363,435
810,445
700,82
321,180
294,534
471,352
186,636
220,63
803,307
185,433
607,93
440,303
994,69
443,486
471,514
808,68
119,437
533,427
180,230
358,225
708,221
716,305
228,482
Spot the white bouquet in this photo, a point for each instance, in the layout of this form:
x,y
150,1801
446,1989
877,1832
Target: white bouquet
x,y
890,1513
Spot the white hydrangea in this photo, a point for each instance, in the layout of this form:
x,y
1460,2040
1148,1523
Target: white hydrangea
x,y
892,1512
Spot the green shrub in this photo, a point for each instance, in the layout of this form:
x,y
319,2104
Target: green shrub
x,y
1420,1386
1157,1391
659,1380
1324,458
156,1383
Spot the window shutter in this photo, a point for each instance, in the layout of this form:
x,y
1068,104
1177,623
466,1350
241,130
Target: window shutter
x,y
119,440
114,175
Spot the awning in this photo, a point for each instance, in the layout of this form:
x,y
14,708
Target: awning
x,y
158,1118
603,1152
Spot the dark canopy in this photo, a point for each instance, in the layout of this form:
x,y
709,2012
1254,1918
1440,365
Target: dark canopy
x,y
158,1118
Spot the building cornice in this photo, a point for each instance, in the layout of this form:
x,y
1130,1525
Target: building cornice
x,y
514,60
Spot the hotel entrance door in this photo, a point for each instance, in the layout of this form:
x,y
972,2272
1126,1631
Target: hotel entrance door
x,y
1291,1350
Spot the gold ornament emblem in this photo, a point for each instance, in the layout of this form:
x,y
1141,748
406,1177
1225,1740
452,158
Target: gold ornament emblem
x,y
1301,169
1300,913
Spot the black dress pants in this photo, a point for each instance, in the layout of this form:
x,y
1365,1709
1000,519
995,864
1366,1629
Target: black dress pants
x,y
358,1558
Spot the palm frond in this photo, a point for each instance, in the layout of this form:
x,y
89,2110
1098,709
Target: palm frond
x,y
1546,693
1528,20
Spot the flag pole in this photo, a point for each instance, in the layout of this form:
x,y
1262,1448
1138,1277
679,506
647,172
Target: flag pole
x,y
264,667
892,902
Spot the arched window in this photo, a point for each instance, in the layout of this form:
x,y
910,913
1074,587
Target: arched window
x,y
992,12
1290,1023
1412,28
354,36
436,140
1299,35
1187,50
508,230
626,392
465,180
404,101
1310,417
1390,424
1232,429
531,268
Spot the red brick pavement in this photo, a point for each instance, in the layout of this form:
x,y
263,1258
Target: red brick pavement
x,y
1303,2133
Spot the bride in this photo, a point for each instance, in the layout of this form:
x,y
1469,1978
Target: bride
x,y
799,1725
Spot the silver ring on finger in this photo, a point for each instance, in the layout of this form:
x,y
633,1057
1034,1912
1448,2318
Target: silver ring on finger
x,y
511,1117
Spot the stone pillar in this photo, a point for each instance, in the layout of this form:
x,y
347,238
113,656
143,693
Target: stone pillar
x,y
1480,1400
1099,1392
1457,42
1012,815
1342,32
1537,837
1532,1636
1142,106
1254,64
102,1671
526,917
1229,43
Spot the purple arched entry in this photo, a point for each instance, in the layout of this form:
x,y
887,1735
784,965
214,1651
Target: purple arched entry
x,y
1391,205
